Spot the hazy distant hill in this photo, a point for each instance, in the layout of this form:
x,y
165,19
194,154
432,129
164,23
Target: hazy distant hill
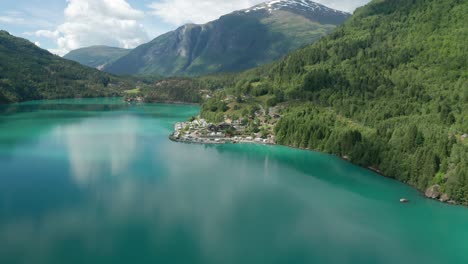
x,y
96,56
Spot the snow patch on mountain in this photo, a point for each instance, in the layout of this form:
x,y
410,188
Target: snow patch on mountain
x,y
303,5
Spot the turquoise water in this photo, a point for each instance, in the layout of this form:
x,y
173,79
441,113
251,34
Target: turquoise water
x,y
98,181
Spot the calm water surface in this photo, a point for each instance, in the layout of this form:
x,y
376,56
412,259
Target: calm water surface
x,y
98,181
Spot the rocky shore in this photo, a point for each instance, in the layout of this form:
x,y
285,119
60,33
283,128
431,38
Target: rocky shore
x,y
435,192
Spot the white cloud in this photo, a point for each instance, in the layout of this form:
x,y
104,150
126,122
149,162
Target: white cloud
x,y
96,22
11,20
45,34
37,43
177,12
343,5
116,23
26,18
12,17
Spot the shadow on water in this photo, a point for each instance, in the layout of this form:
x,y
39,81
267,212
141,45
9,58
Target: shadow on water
x,y
7,110
325,167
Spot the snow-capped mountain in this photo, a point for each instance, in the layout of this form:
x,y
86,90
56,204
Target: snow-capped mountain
x,y
238,41
305,5
306,8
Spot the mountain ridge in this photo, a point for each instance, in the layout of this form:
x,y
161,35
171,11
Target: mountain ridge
x,y
300,7
234,42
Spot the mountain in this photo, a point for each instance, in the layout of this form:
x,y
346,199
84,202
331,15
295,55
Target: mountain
x,y
387,90
308,9
96,56
237,41
30,73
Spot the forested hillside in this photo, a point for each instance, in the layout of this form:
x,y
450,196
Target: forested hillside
x,y
389,90
29,73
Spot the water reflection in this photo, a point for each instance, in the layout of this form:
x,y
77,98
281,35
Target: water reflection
x,y
94,151
144,199
206,210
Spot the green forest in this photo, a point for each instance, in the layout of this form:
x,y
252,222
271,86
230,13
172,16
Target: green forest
x,y
30,73
388,89
183,89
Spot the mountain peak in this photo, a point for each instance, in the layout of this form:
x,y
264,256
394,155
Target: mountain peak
x,y
296,5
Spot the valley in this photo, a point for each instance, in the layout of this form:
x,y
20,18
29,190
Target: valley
x,y
286,131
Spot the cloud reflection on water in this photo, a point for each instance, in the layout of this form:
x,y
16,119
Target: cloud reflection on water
x,y
203,204
94,151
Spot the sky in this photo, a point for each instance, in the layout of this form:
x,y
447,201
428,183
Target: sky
x,y
64,25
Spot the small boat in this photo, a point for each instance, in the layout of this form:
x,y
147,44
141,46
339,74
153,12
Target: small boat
x,y
404,200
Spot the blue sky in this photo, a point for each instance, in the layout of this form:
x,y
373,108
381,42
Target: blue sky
x,y
64,25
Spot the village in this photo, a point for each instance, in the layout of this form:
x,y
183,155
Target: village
x,y
200,131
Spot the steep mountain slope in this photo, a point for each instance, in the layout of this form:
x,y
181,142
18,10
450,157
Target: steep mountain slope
x,y
238,41
96,56
388,90
29,73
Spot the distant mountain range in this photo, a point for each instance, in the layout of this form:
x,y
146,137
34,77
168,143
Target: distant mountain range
x,y
96,56
28,72
238,41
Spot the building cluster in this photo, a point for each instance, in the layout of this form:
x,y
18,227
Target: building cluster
x,y
200,131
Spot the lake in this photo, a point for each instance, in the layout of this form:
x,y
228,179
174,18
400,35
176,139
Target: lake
x,y
98,181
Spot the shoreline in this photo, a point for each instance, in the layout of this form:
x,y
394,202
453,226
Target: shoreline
x,y
171,103
218,141
208,141
374,170
380,173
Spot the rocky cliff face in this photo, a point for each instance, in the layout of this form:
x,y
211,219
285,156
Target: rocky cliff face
x,y
238,41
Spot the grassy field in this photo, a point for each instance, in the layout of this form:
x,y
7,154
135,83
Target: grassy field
x,y
133,91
